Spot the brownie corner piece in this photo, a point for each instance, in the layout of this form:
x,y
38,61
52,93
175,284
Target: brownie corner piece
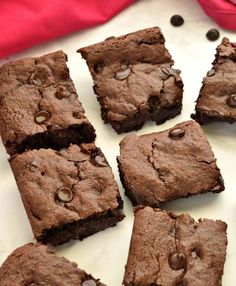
x,y
39,106
67,194
34,264
167,165
167,249
217,98
134,79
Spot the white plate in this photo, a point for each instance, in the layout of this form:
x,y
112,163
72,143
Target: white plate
x,y
104,254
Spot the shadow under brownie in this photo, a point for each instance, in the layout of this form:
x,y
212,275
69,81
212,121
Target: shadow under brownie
x,y
167,165
133,79
170,250
67,194
34,264
39,107
217,99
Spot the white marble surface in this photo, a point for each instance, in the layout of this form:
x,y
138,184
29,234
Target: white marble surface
x,y
104,254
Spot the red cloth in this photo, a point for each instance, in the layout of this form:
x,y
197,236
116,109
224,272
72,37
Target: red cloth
x,y
25,23
222,11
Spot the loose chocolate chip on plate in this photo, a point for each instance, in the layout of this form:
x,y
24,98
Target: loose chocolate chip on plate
x,y
121,75
177,20
176,133
42,116
89,283
177,261
231,100
65,195
213,35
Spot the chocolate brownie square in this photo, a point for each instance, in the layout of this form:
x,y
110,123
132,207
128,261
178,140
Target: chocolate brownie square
x,y
167,165
133,79
170,250
34,264
67,194
217,99
39,106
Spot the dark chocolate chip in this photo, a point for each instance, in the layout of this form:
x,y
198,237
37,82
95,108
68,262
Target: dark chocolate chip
x,y
65,195
42,116
166,71
177,20
98,66
176,133
110,38
34,79
89,283
121,75
217,188
211,73
231,100
213,35
62,92
177,261
101,161
76,114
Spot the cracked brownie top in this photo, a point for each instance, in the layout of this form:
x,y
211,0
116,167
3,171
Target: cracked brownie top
x,y
217,99
37,98
34,264
174,250
171,164
134,80
59,187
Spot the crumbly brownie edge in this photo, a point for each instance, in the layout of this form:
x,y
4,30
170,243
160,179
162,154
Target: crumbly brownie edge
x,y
138,119
55,139
204,117
84,228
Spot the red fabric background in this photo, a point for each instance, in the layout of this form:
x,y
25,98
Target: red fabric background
x,y
222,11
25,23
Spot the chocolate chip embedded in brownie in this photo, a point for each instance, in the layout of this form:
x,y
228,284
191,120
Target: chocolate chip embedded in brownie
x,y
175,250
34,264
67,194
217,99
167,165
133,79
39,106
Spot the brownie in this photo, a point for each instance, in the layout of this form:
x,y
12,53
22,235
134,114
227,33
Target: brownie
x,y
133,79
217,99
167,165
67,194
34,264
170,250
39,106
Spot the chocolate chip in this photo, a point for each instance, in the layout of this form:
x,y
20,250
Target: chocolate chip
x,y
34,79
213,35
62,92
166,71
121,75
176,133
65,195
217,188
76,114
177,20
231,100
110,38
42,116
177,261
89,283
211,73
98,66
101,161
